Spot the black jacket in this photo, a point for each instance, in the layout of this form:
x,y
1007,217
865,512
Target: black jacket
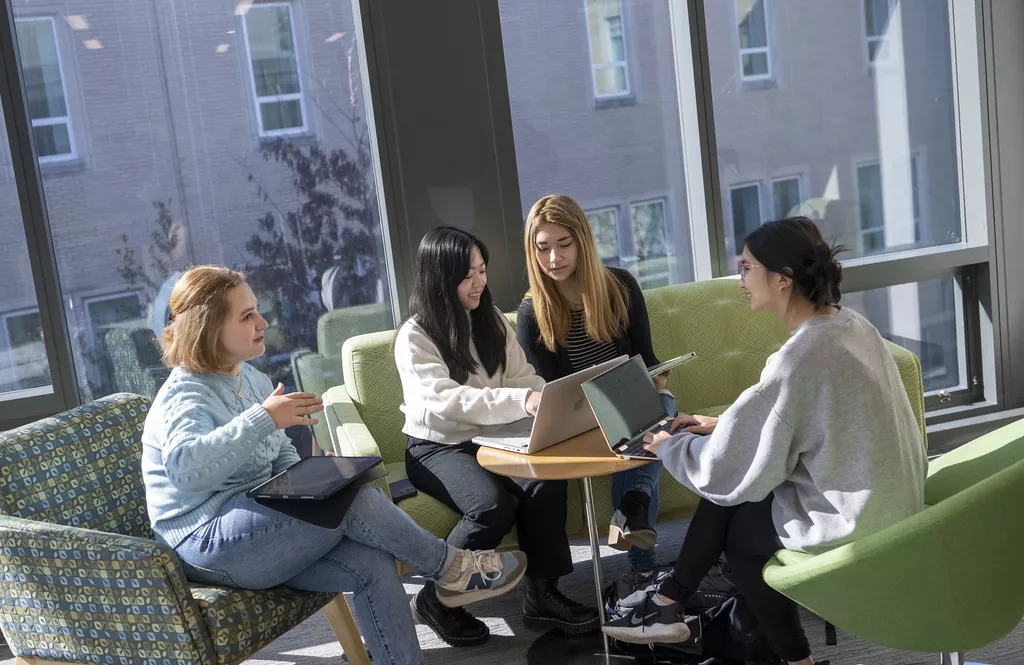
x,y
636,339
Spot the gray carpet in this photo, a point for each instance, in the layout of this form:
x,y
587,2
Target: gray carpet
x,y
313,642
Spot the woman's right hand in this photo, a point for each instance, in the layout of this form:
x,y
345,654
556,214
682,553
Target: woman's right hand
x,y
293,408
532,403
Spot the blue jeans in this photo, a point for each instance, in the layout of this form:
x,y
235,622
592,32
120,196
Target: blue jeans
x,y
644,478
253,547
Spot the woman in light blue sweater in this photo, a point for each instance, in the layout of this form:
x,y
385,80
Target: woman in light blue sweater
x,y
216,430
822,451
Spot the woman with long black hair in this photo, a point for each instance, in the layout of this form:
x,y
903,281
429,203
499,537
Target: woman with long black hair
x,y
462,370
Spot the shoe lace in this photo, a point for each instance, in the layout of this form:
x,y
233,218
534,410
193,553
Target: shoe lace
x,y
460,616
560,599
487,563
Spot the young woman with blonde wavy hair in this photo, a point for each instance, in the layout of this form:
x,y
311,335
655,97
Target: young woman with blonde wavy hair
x,y
580,312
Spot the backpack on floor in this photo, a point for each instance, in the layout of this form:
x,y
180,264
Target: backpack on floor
x,y
723,630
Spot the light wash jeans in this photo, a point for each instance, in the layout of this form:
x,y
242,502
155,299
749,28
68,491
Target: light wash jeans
x,y
644,478
253,547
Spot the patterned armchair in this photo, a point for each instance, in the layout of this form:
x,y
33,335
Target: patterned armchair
x,y
82,579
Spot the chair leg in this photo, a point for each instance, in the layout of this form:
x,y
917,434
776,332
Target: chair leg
x,y
950,658
340,617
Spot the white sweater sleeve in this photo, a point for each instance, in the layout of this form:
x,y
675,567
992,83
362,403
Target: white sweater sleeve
x,y
428,385
519,373
745,458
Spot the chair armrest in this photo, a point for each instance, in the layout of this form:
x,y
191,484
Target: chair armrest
x,y
349,435
76,594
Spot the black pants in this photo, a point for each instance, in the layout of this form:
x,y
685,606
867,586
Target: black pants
x,y
491,505
747,536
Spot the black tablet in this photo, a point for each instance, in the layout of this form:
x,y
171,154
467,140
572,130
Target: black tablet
x,y
314,478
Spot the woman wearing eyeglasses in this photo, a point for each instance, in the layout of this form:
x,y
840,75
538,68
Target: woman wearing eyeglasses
x,y
822,451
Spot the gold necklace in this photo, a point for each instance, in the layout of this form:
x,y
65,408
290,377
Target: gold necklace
x,y
238,390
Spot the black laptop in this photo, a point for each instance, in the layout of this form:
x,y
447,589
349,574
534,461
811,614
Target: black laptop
x,y
318,490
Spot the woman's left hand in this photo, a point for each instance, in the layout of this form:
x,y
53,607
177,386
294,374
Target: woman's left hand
x,y
661,380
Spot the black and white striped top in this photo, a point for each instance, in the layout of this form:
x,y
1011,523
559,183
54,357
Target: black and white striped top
x,y
584,351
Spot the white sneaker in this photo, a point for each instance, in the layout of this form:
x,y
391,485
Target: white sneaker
x,y
481,575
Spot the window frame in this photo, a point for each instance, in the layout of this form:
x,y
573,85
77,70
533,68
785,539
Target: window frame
x,y
624,63
5,339
799,177
744,184
107,297
587,212
867,39
765,50
56,120
257,99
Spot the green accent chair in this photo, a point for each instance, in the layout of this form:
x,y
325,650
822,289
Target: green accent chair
x,y
945,580
711,318
317,371
83,579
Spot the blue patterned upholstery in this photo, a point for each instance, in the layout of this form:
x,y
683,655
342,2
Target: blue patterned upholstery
x,y
80,578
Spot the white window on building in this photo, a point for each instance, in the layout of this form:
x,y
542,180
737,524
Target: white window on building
x,y
650,230
605,224
745,201
45,89
876,25
871,207
871,204
785,196
755,55
275,69
24,359
608,65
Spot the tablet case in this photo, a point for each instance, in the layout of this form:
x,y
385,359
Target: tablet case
x,y
326,513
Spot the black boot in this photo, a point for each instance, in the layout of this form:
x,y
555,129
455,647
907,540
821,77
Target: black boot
x,y
544,608
454,625
629,526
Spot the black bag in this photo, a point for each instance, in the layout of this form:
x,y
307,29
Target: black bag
x,y
723,630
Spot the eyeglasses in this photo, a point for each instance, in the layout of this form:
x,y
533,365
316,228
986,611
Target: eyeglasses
x,y
747,267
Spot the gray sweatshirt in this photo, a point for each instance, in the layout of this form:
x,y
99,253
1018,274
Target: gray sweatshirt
x,y
828,428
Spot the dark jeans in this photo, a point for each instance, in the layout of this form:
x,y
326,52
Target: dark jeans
x,y
747,536
491,505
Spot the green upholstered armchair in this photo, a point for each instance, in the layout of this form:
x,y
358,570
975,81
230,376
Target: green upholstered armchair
x,y
945,580
317,371
84,582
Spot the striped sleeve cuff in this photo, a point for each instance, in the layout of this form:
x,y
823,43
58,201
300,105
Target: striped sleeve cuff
x,y
260,420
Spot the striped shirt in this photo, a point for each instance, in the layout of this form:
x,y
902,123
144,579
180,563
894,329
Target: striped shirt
x,y
585,351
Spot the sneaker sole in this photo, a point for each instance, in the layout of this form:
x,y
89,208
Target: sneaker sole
x,y
549,623
458,599
664,634
644,539
447,639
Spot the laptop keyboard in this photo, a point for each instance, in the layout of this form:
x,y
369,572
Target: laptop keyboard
x,y
635,449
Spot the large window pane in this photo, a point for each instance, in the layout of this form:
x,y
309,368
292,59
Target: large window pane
x,y
876,145
620,158
924,318
181,105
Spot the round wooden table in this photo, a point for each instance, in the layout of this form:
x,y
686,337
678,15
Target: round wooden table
x,y
583,456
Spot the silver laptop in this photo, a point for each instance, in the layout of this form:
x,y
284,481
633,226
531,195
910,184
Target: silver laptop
x,y
563,414
626,405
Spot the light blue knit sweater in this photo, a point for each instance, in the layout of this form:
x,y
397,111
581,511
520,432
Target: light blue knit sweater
x,y
203,444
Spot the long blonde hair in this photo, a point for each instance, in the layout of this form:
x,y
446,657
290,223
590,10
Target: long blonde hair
x,y
199,307
605,300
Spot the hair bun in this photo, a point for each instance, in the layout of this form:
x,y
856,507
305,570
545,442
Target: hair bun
x,y
824,273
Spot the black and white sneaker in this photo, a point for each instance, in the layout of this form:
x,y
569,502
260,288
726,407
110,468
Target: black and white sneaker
x,y
648,623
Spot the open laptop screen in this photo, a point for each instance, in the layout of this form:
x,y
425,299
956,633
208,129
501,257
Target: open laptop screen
x,y
625,401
